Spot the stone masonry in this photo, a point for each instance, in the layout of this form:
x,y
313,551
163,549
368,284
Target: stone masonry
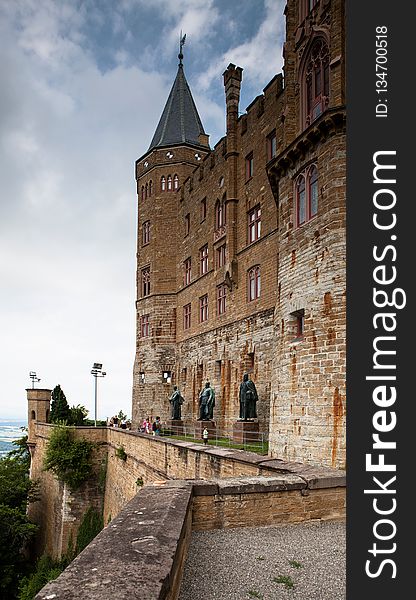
x,y
274,291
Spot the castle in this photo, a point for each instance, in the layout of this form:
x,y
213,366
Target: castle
x,y
241,248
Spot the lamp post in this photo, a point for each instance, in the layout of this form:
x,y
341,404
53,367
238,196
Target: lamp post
x,y
96,372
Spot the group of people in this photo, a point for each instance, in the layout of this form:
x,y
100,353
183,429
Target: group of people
x,y
153,427
116,422
248,399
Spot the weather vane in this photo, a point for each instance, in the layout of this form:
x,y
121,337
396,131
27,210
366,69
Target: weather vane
x,y
181,45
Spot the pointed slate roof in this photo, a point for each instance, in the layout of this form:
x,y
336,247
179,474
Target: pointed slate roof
x,y
180,122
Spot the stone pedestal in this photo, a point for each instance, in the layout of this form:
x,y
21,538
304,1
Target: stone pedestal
x,y
176,425
245,432
210,425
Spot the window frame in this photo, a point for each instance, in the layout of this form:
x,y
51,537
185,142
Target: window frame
x,y
254,275
254,224
146,233
203,308
203,259
221,299
221,256
163,184
271,141
187,275
249,164
187,316
145,281
145,326
308,178
203,210
187,224
315,81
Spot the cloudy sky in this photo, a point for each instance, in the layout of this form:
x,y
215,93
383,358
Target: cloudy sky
x,y
83,84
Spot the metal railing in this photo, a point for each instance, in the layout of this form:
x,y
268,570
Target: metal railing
x,y
222,437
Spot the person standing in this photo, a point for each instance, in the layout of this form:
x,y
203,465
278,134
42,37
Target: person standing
x,y
205,435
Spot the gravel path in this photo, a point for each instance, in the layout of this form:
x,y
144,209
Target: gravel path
x,y
241,564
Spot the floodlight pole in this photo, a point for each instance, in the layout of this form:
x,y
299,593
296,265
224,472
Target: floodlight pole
x,y
96,372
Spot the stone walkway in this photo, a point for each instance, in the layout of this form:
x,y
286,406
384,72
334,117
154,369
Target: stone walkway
x,y
244,563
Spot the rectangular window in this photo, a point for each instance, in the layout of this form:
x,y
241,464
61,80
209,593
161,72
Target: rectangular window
x,y
220,256
167,376
271,145
145,281
298,317
221,299
187,224
145,326
249,166
203,260
203,209
254,224
187,265
203,308
187,316
142,377
254,283
145,233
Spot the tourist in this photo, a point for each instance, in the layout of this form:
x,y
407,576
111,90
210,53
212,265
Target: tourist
x,y
205,435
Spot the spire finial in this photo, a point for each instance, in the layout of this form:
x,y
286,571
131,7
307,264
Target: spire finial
x,y
181,45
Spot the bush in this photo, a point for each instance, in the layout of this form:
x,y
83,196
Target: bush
x,y
91,525
121,453
46,570
69,459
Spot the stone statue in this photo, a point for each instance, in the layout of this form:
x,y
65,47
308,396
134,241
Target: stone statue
x,y
176,402
206,403
248,398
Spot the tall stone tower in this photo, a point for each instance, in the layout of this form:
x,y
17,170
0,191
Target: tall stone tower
x,y
177,147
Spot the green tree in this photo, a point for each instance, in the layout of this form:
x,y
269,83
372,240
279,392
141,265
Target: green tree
x,y
16,531
77,415
68,458
59,406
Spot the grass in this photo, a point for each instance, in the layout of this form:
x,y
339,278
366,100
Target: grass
x,y
255,594
295,564
258,447
286,580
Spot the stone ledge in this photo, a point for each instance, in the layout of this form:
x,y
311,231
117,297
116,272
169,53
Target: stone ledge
x,y
139,554
247,485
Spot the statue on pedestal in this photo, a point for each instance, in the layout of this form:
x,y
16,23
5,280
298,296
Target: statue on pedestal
x,y
176,402
206,403
248,398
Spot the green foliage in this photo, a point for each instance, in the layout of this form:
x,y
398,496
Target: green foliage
x,y
69,459
139,482
285,579
16,531
46,570
121,453
59,406
295,564
255,594
91,525
102,475
121,416
77,415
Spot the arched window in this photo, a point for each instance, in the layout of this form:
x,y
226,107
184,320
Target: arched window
x,y
306,194
254,283
146,190
163,183
150,187
175,182
300,200
169,182
33,416
142,192
313,191
316,81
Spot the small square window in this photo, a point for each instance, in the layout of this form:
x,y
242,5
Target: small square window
x,y
167,376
